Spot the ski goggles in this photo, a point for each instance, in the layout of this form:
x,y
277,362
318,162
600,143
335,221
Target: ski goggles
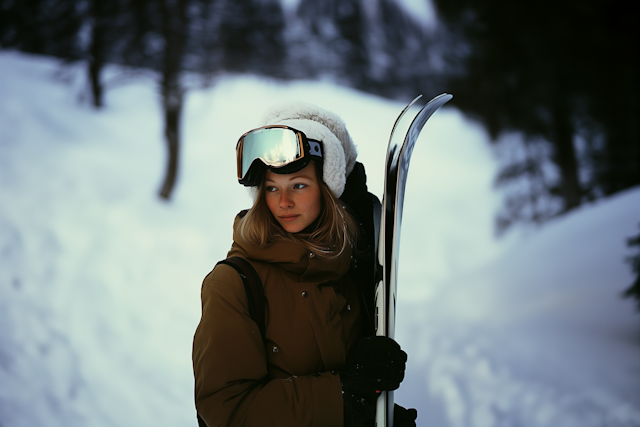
x,y
281,149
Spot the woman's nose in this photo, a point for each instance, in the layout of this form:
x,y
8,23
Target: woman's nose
x,y
285,200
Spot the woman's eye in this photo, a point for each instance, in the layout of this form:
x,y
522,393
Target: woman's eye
x,y
299,186
270,189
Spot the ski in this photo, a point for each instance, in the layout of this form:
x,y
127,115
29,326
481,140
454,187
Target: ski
x,y
401,144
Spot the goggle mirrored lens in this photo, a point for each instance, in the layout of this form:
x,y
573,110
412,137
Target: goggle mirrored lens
x,y
276,147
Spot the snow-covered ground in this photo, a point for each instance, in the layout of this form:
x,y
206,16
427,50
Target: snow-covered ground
x,y
100,280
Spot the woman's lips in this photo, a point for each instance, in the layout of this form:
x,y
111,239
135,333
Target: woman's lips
x,y
289,218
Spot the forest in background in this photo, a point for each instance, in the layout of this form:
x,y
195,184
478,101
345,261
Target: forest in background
x,y
561,75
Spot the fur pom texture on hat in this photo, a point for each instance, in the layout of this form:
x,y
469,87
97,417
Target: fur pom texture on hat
x,y
339,151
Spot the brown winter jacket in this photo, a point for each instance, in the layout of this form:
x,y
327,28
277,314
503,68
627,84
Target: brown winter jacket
x,y
312,321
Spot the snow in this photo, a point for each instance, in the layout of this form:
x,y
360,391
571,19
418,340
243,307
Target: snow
x,y
100,280
421,10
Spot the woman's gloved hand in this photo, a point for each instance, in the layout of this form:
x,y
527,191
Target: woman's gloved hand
x,y
404,417
376,364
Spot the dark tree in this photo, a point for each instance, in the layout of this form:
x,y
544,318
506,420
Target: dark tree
x,y
372,45
250,36
97,55
352,25
332,39
203,52
634,290
402,53
108,23
47,27
174,34
565,74
143,45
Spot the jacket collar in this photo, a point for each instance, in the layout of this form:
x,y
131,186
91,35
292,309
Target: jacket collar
x,y
293,258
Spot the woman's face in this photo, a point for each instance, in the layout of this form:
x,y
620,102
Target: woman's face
x,y
294,199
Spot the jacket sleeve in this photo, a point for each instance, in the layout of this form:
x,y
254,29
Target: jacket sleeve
x,y
232,385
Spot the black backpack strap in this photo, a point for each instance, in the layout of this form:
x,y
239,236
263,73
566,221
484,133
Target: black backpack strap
x,y
253,288
255,297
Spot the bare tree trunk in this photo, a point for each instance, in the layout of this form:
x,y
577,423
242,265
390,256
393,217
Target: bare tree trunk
x,y
172,104
96,51
174,32
565,157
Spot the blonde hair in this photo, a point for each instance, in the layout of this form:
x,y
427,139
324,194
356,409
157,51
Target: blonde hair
x,y
336,229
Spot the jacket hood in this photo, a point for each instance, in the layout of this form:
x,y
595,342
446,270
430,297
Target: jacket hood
x,y
292,257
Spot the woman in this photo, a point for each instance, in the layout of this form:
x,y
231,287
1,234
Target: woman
x,y
309,236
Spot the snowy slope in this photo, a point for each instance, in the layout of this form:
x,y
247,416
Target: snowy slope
x,y
99,280
540,336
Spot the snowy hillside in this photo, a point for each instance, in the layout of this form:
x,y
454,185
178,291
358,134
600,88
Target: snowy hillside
x,y
100,280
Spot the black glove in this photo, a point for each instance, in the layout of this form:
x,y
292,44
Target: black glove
x,y
376,364
404,417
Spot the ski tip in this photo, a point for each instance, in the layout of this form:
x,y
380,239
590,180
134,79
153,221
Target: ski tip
x,y
438,101
441,99
445,97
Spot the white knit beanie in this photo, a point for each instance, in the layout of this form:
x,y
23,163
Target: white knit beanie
x,y
339,151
